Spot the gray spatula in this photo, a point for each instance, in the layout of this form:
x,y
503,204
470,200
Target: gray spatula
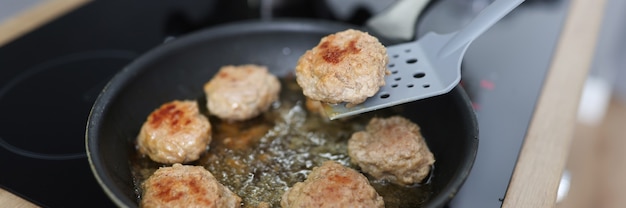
x,y
427,67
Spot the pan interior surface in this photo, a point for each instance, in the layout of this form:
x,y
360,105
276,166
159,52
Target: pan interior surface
x,y
179,69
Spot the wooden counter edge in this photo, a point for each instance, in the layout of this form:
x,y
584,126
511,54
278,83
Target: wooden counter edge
x,y
8,199
34,17
543,156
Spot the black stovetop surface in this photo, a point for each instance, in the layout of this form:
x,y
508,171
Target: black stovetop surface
x,y
49,78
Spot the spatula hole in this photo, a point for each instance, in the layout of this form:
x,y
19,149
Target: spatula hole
x,y
419,75
407,50
394,85
426,86
398,78
395,56
394,72
411,61
383,96
391,65
410,86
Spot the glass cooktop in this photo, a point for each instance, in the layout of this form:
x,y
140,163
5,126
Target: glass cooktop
x,y
50,77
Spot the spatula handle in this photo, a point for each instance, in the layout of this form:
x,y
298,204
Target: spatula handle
x,y
483,21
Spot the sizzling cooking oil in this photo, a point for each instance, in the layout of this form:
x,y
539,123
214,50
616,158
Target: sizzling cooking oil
x,y
259,159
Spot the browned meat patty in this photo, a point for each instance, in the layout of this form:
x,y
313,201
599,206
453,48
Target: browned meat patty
x,y
241,92
186,186
176,132
347,66
392,149
332,185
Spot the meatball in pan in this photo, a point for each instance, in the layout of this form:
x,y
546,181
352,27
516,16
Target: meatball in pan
x,y
186,186
332,185
392,149
176,132
241,92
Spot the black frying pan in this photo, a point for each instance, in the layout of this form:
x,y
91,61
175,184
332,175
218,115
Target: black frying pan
x,y
178,70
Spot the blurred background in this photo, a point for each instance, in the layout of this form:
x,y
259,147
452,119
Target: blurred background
x,y
596,165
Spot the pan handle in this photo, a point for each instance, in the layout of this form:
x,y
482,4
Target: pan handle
x,y
399,21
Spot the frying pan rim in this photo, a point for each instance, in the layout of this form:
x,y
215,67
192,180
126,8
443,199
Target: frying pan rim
x,y
122,78
462,174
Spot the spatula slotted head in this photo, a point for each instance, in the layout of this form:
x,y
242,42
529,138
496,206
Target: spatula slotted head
x,y
428,67
415,73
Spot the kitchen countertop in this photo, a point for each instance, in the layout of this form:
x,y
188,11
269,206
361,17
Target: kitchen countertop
x,y
536,177
542,159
